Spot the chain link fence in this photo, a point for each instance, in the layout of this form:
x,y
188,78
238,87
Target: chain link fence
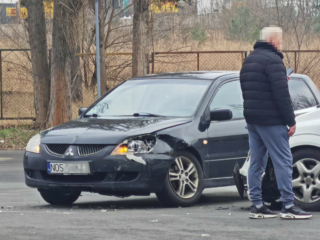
x,y
16,84
197,61
305,62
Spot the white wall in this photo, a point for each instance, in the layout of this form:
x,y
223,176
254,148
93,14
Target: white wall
x,y
210,6
9,1
204,7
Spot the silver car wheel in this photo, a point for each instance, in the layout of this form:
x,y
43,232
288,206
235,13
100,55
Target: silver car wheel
x,y
183,177
306,181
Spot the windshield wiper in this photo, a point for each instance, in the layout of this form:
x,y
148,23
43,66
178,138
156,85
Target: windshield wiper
x,y
144,114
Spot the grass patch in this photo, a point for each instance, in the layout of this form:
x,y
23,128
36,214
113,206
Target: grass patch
x,y
16,138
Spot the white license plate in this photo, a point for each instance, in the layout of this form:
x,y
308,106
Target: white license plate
x,y
68,168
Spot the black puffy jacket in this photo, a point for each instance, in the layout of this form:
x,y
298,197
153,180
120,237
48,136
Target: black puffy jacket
x,y
264,87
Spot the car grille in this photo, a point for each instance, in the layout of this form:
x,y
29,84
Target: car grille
x,y
85,150
58,149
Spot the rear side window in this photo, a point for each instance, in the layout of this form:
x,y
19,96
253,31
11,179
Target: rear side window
x,y
301,95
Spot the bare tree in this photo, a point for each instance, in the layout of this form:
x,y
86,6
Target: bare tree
x,y
40,67
141,38
76,7
60,102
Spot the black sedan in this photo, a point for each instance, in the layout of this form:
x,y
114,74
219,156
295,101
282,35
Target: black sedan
x,y
170,134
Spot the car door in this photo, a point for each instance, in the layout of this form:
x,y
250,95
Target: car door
x,y
227,140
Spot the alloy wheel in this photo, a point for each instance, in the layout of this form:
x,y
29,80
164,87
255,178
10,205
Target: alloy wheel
x,y
306,181
183,177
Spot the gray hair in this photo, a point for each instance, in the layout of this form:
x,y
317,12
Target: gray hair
x,y
268,32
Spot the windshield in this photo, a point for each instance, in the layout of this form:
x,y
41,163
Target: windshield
x,y
178,98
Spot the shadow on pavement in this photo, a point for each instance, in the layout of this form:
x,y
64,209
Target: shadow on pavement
x,y
146,203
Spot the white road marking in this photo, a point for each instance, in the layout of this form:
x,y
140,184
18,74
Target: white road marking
x,y
26,212
5,159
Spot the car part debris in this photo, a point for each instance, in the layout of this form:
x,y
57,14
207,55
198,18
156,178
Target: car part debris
x,y
238,180
245,208
131,156
221,208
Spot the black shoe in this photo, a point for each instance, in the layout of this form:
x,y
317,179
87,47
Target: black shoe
x,y
260,213
294,213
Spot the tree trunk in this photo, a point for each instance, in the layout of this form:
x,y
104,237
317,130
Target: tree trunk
x,y
76,77
75,43
140,45
102,35
60,102
39,56
109,84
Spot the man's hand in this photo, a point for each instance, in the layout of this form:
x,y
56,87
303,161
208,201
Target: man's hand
x,y
288,78
292,130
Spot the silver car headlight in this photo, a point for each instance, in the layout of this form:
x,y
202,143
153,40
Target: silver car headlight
x,y
34,144
142,144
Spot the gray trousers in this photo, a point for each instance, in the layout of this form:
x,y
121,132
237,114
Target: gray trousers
x,y
274,140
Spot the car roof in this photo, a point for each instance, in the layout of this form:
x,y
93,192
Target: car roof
x,y
201,75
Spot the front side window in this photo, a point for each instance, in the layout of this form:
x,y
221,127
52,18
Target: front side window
x,y
301,94
229,96
174,98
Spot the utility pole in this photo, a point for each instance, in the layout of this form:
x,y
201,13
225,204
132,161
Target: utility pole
x,y
116,4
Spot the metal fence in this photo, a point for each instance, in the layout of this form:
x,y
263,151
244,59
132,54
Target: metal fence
x,y
16,87
305,62
197,61
16,84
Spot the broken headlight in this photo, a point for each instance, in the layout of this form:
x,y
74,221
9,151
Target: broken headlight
x,y
137,145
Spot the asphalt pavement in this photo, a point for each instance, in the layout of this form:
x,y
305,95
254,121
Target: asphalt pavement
x,y
220,214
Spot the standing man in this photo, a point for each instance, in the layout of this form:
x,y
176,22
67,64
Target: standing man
x,y
269,114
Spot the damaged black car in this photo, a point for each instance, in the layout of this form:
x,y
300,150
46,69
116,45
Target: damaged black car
x,y
166,134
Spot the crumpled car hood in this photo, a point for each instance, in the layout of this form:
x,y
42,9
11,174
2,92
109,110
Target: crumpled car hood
x,y
107,131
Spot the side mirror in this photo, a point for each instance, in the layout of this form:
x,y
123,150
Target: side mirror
x,y
82,110
220,115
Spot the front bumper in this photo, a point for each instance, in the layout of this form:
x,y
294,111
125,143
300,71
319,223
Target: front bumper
x,y
110,175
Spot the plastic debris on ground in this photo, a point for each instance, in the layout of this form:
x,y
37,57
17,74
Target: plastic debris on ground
x,y
103,210
154,221
221,208
205,235
245,208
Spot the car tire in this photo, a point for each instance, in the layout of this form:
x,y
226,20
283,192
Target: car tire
x,y
180,187
59,197
309,158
